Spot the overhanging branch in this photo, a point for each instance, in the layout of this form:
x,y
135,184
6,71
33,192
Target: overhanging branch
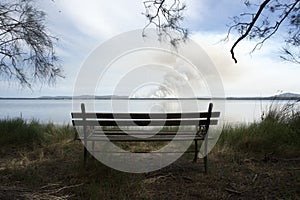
x,y
251,24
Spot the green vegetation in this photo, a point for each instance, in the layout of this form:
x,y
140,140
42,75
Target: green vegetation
x,y
18,131
48,161
277,133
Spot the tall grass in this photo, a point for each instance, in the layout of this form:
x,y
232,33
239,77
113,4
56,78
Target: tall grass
x,y
18,131
278,132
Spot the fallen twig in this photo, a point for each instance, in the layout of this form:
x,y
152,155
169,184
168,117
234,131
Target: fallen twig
x,y
293,168
187,178
290,159
233,191
62,188
254,178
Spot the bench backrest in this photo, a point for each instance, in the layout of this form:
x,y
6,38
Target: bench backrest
x,y
84,118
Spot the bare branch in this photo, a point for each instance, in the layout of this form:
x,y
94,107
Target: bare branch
x,y
166,17
288,56
259,25
275,28
251,24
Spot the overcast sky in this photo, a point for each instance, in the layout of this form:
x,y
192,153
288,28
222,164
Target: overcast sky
x,y
81,26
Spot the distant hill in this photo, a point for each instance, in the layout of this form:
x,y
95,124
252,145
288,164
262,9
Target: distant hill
x,y
288,95
283,96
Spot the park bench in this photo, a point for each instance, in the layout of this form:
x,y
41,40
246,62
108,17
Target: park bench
x,y
109,123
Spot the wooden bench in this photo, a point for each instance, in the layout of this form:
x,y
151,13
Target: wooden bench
x,y
109,123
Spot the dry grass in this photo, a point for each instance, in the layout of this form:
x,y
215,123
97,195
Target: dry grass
x,y
57,172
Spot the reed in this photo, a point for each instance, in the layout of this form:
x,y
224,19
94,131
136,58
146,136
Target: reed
x,y
278,132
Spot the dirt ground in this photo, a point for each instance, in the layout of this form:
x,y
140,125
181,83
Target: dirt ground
x,y
238,178
57,172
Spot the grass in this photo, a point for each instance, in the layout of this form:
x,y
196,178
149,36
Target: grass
x,y
43,161
278,133
47,161
18,131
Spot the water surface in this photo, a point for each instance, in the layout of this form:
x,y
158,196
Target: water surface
x,y
58,111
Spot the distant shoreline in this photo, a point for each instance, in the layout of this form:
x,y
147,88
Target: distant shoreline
x,y
284,96
160,99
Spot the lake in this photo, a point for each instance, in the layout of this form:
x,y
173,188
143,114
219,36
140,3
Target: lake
x,y
58,111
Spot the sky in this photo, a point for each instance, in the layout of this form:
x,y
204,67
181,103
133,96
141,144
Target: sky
x,y
82,26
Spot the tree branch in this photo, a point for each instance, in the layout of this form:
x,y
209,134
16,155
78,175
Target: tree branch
x,y
275,27
252,23
166,18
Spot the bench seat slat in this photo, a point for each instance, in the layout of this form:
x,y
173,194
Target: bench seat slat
x,y
142,132
77,115
137,139
143,123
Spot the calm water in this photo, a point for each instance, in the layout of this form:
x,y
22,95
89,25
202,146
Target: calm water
x,y
58,111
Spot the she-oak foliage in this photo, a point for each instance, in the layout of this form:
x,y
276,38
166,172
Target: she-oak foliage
x,y
26,47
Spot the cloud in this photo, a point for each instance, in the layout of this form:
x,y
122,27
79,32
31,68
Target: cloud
x,y
103,19
259,73
219,54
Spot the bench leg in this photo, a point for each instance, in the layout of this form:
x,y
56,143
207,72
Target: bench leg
x,y
93,147
196,151
205,154
84,156
205,164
